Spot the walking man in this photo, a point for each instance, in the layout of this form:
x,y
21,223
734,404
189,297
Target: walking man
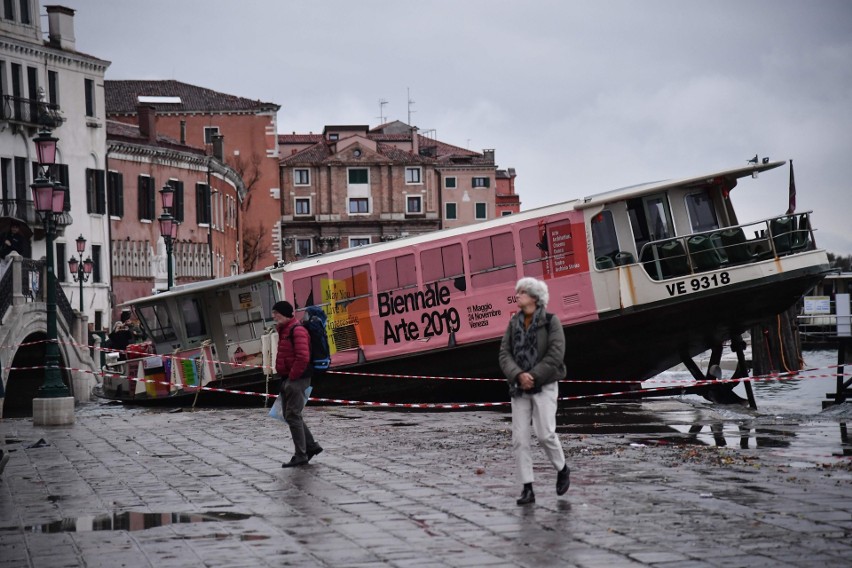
x,y
293,365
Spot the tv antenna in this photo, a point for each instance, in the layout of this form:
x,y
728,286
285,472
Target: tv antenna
x,y
410,102
381,117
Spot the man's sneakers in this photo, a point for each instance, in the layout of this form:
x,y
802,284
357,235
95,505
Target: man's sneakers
x,y
563,480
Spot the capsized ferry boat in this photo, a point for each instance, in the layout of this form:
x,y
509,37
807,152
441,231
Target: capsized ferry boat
x,y
642,278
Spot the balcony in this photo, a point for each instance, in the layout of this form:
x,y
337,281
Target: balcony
x,y
24,210
29,112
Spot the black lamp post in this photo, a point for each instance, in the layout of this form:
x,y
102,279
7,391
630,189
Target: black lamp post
x,y
168,229
49,202
80,269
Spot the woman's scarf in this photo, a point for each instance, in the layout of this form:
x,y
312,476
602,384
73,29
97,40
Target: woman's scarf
x,y
525,340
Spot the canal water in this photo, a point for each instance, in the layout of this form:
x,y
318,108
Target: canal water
x,y
802,395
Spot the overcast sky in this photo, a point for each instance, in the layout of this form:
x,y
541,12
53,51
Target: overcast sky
x,y
578,97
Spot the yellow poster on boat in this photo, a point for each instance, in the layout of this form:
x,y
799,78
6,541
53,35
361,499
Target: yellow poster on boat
x,y
346,303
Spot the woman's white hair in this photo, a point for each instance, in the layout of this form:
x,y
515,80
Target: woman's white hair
x,y
535,288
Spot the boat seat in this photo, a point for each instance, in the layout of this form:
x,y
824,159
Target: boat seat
x,y
623,257
735,245
782,229
604,262
704,255
673,261
720,248
650,263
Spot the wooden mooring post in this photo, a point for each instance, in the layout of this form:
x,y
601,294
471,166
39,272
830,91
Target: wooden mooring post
x,y
776,346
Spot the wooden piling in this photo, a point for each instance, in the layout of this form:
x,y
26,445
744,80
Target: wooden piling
x,y
776,346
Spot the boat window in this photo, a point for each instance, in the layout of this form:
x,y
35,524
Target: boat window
x,y
702,216
192,318
650,219
354,281
308,291
443,263
603,235
158,322
395,273
492,260
534,250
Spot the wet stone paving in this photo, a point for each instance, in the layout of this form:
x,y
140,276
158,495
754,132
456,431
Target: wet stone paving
x,y
661,482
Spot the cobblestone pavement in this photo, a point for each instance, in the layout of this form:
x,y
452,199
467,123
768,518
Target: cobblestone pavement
x,y
141,487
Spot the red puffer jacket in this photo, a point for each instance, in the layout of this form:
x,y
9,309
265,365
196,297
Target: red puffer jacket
x,y
294,356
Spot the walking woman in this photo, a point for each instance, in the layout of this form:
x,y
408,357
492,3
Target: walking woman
x,y
532,357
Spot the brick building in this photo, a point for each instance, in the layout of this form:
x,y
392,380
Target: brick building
x,y
352,185
207,194
196,116
507,201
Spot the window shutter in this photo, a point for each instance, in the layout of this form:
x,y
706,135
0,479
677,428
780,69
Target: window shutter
x,y
100,191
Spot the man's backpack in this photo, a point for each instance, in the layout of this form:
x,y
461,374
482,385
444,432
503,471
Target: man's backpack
x,y
315,322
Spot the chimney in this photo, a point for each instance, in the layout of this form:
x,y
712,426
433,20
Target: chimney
x,y
60,27
489,155
183,131
415,141
147,122
219,147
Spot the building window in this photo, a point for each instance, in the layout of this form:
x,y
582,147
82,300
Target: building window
x,y
412,175
414,204
301,177
451,211
333,136
450,182
505,213
96,266
115,194
62,177
53,87
303,206
90,97
303,247
481,182
25,12
359,176
359,205
146,198
177,206
209,133
358,241
95,191
481,211
202,204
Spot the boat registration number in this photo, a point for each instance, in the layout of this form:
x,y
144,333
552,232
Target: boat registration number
x,y
698,283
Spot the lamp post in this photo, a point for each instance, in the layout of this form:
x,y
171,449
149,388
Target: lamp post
x,y
49,201
80,269
168,229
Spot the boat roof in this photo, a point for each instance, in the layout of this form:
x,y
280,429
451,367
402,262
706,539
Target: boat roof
x,y
633,191
599,199
217,283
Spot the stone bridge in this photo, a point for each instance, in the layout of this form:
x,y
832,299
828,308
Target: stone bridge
x,y
23,338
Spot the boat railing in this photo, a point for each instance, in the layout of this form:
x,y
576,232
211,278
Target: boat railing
x,y
705,251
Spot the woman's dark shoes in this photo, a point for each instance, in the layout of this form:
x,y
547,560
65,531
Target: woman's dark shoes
x,y
527,496
563,480
295,461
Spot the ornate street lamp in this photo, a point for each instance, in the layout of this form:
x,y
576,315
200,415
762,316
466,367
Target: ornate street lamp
x,y
49,201
168,229
81,269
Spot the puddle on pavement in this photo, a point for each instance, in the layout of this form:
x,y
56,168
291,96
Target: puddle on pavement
x,y
131,521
